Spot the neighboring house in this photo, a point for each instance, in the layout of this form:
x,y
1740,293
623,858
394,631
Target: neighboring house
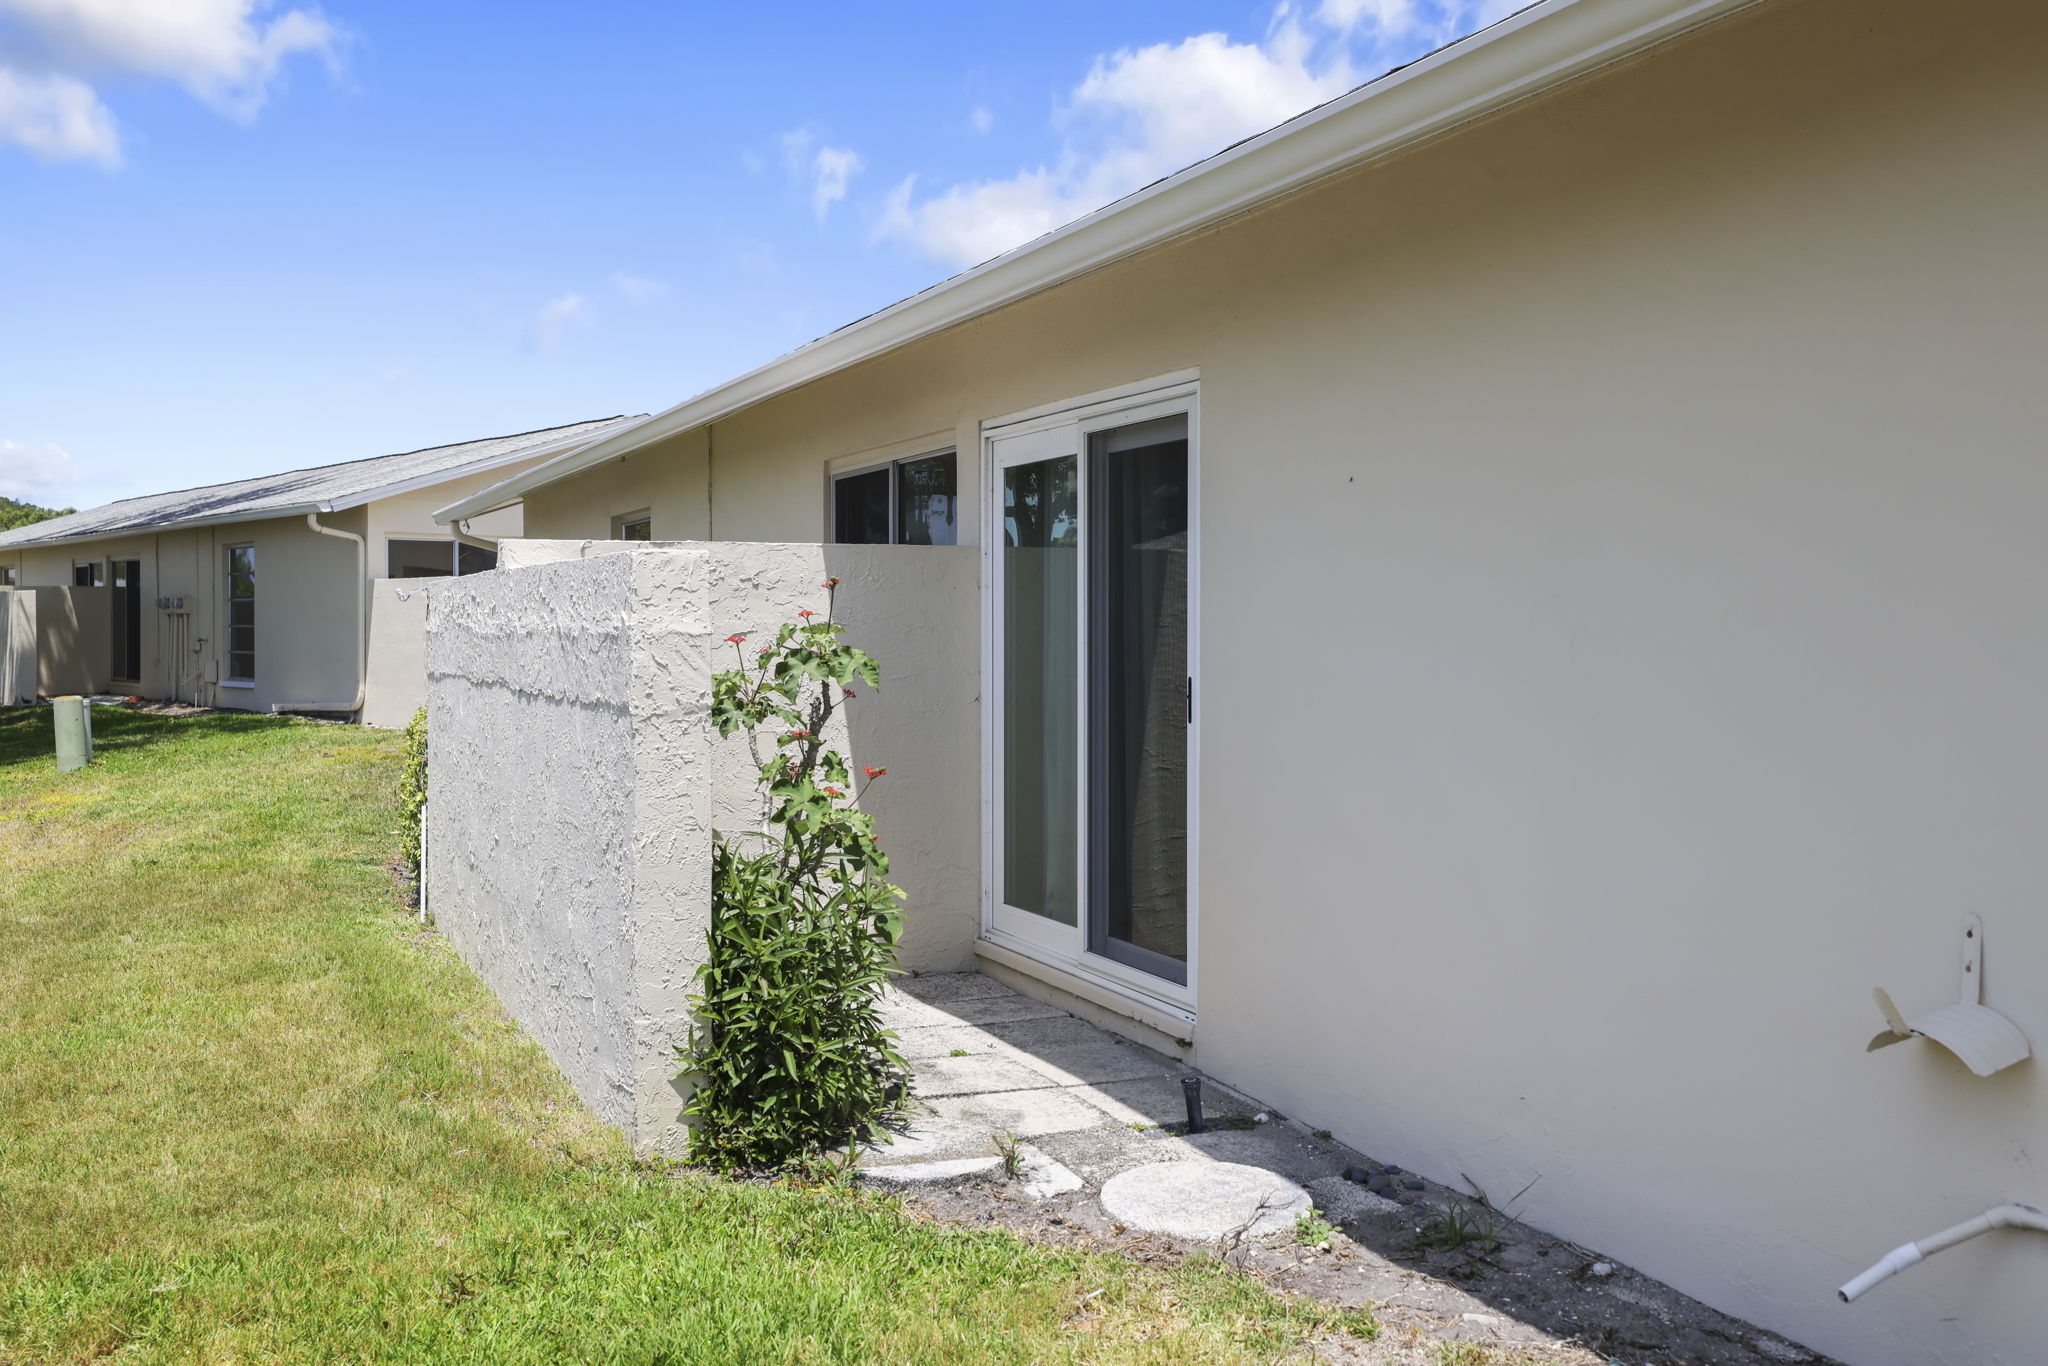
x,y
259,594
1507,605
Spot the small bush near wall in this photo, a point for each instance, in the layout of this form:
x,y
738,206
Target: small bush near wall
x,y
789,1056
412,794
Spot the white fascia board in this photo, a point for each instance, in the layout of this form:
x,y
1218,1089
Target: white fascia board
x,y
1526,54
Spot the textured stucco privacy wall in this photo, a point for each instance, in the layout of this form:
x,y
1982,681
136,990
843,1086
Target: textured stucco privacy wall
x,y
575,779
395,678
1632,510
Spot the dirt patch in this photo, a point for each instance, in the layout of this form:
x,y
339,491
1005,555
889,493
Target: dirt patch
x,y
1452,1282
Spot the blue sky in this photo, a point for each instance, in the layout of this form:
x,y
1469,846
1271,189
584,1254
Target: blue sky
x,y
237,237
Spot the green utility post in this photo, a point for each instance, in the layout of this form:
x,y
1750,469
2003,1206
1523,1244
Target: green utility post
x,y
74,733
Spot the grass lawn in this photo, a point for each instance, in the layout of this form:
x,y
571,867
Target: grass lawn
x,y
249,1112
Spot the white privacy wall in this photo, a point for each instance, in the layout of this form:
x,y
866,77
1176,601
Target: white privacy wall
x,y
575,780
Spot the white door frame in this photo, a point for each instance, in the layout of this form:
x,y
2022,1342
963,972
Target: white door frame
x,y
1063,429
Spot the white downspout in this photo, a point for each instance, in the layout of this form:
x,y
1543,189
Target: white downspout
x,y
362,653
1911,1254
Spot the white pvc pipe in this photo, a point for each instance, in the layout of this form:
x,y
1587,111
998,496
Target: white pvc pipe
x,y
1911,1254
362,660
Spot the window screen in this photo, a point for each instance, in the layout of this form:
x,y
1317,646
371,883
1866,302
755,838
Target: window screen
x,y
242,613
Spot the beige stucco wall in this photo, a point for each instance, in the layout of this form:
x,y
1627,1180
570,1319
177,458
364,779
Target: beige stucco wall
x,y
395,685
1646,486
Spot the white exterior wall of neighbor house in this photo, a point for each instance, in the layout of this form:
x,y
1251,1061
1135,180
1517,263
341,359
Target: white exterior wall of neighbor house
x,y
1648,482
305,598
575,778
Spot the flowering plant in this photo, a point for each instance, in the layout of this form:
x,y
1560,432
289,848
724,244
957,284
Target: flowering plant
x,y
789,1056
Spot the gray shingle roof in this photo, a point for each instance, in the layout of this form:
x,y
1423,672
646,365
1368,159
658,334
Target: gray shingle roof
x,y
324,488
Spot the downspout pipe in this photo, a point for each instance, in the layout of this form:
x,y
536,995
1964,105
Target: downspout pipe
x,y
362,650
1912,1254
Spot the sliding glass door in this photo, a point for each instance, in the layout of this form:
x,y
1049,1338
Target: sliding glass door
x,y
1092,601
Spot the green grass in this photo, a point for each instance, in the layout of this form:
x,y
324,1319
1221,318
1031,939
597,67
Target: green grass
x,y
250,1113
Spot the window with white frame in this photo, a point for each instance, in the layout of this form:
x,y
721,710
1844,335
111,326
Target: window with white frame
x,y
420,559
905,502
7,576
91,575
633,526
242,613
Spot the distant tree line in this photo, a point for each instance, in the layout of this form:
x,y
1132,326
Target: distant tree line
x,y
13,514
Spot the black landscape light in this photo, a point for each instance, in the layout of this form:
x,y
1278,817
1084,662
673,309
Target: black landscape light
x,y
1191,1087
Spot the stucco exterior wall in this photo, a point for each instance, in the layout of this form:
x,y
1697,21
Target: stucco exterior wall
x,y
395,683
671,481
576,780
1644,488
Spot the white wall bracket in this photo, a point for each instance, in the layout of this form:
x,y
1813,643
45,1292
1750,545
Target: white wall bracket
x,y
1984,1039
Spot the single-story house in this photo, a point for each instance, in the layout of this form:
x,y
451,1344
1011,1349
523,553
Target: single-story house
x,y
1489,616
264,594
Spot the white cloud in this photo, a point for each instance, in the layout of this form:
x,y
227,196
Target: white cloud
x,y
1141,114
825,171
983,118
556,316
638,290
226,53
1138,115
34,472
1388,16
831,169
56,118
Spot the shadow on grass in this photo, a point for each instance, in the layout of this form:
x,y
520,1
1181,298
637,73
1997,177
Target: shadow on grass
x,y
28,734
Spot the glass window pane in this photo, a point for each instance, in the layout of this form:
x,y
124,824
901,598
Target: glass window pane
x,y
420,559
242,612
1041,658
242,639
242,667
860,508
1138,703
638,529
474,559
926,504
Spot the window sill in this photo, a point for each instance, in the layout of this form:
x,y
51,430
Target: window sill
x,y
236,683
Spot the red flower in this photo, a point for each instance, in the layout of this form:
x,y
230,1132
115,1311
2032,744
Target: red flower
x,y
874,772
807,615
799,735
849,692
736,639
832,792
832,583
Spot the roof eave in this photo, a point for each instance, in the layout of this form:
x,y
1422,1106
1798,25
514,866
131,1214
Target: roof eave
x,y
158,528
1526,54
342,504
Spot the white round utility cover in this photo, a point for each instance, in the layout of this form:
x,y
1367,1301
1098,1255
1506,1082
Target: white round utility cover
x,y
1204,1200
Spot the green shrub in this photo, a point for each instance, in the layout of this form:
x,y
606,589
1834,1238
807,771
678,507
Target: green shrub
x,y
412,790
789,1056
